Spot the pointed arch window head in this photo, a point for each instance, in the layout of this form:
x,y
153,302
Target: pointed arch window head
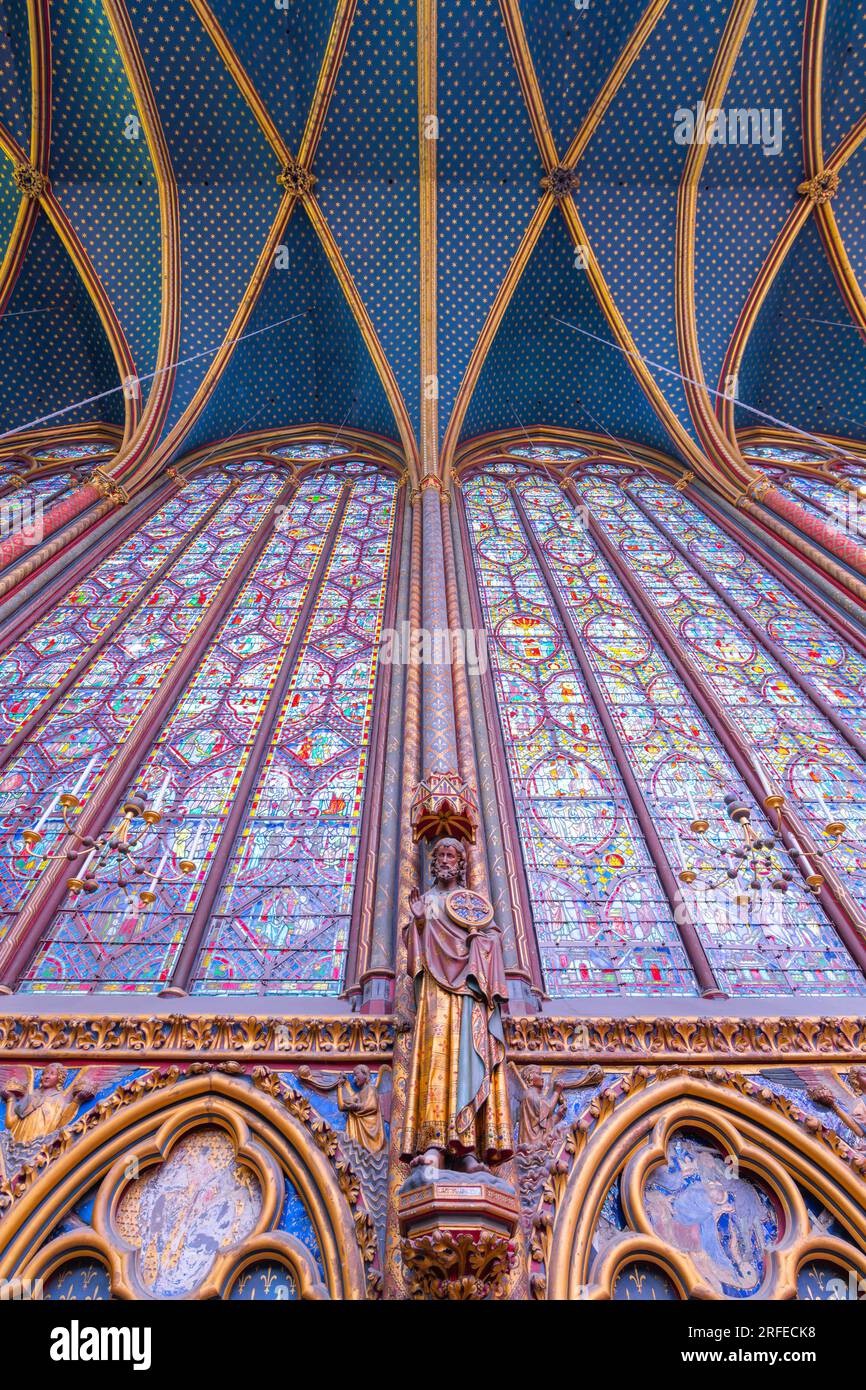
x,y
75,451
572,648
548,453
307,453
264,632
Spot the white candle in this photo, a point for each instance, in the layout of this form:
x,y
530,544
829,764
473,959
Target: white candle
x,y
154,882
83,779
196,841
46,814
160,796
82,871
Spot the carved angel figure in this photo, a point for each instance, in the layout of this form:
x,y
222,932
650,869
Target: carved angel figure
x,y
542,1105
37,1110
367,1107
826,1088
365,1103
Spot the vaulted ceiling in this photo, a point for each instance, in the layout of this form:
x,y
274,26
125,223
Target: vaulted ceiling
x,y
272,213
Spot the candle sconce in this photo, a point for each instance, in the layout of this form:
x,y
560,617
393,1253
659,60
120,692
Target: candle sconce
x,y
836,831
749,865
119,856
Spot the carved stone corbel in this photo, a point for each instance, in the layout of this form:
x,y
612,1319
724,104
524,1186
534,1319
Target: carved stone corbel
x,y
457,1236
108,487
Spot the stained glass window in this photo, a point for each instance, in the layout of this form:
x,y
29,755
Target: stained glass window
x,y
757,942
306,453
548,453
82,731
770,451
603,922
796,745
312,779
766,942
76,451
282,919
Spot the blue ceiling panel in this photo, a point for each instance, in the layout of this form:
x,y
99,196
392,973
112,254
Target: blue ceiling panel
x,y
539,370
53,348
316,368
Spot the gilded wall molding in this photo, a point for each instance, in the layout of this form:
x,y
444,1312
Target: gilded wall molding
x,y
741,1041
533,1038
179,1037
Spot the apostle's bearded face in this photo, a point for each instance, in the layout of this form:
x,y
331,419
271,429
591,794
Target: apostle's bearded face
x,y
446,864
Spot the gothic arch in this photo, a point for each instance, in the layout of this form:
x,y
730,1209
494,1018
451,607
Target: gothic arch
x,y
275,1136
631,1138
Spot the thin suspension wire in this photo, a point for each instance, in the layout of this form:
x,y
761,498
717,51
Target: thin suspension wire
x,y
182,362
702,386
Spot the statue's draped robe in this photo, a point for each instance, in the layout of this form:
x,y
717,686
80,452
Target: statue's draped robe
x,y
457,1096
363,1116
538,1113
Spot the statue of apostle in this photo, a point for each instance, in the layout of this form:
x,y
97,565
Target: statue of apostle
x,y
457,1100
